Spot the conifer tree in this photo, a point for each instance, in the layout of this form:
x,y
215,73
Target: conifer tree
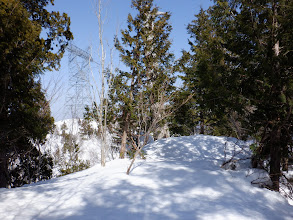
x,y
185,119
205,72
249,71
141,92
263,44
24,111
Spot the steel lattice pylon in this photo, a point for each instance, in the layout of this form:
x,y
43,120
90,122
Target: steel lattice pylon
x,y
78,93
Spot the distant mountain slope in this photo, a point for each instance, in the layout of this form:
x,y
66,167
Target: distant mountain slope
x,y
180,179
75,143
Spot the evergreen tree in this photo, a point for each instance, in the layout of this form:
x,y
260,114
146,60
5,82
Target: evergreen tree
x,y
185,119
24,112
141,92
264,49
206,72
250,71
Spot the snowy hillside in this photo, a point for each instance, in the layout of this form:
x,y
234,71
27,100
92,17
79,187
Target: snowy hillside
x,y
180,179
74,142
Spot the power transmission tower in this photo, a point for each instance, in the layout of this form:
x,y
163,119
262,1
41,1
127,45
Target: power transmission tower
x,y
78,93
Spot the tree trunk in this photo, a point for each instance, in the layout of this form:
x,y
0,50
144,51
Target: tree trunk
x,y
275,139
103,151
3,172
275,160
285,164
202,130
124,136
123,145
132,162
102,112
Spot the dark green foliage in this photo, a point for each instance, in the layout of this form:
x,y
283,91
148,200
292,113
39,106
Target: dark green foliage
x,y
208,74
91,114
265,67
138,93
63,129
131,153
30,167
74,168
242,71
185,120
71,163
67,158
24,112
86,129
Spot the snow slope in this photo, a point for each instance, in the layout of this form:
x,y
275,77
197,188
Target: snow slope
x,y
89,147
180,179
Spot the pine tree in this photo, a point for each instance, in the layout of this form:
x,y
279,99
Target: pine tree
x,y
24,111
142,91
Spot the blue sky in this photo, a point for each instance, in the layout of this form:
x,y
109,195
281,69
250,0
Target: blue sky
x,y
84,26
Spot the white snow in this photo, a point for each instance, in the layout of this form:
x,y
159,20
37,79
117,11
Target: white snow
x,y
89,147
180,179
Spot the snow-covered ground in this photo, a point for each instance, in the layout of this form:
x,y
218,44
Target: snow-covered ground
x,y
180,179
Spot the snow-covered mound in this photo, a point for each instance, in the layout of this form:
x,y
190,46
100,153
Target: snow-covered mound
x,y
199,148
181,178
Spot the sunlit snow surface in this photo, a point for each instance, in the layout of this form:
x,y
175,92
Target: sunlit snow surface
x,y
180,179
